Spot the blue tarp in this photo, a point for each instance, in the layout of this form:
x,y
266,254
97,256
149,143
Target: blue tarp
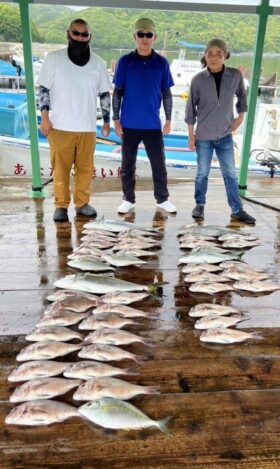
x,y
190,45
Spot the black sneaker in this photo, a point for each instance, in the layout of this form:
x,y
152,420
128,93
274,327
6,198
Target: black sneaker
x,y
198,212
60,214
241,215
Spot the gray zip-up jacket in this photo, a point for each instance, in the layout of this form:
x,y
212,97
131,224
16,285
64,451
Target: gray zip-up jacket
x,y
213,115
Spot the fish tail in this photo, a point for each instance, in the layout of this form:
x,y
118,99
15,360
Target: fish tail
x,y
256,335
139,359
161,424
152,390
130,371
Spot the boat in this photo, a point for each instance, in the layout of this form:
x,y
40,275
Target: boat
x,y
15,155
183,69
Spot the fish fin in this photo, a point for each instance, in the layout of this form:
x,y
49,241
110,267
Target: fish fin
x,y
161,424
140,359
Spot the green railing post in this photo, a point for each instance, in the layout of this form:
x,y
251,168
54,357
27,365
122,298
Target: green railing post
x,y
37,188
264,10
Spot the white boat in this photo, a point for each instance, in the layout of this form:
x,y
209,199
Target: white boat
x,y
183,69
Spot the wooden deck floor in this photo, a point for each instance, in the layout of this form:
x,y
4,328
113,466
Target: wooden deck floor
x,y
224,400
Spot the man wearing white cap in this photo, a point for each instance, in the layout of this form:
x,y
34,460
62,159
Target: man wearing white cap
x,y
210,107
142,81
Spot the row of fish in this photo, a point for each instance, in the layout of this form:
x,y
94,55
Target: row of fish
x,y
92,378
212,266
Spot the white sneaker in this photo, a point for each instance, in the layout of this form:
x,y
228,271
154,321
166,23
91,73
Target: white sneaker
x,y
125,207
168,207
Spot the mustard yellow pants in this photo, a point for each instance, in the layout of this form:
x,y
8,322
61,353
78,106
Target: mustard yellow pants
x,y
69,149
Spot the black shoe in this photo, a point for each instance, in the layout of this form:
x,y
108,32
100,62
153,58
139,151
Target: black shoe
x,y
198,212
60,214
241,215
86,211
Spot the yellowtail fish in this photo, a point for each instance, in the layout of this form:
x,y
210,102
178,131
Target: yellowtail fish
x,y
117,414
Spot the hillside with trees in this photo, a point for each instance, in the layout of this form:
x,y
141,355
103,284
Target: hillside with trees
x,y
111,28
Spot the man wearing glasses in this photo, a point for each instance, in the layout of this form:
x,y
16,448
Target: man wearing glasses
x,y
70,81
142,81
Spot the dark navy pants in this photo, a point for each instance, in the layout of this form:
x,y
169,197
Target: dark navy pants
x,y
154,146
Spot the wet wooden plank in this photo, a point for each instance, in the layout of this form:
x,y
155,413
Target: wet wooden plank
x,y
207,428
224,399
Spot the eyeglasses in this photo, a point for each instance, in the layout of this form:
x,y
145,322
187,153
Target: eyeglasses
x,y
140,34
77,33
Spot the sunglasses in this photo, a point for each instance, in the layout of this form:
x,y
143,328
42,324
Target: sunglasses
x,y
140,34
77,33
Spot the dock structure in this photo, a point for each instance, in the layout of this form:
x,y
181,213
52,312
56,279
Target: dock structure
x,y
224,399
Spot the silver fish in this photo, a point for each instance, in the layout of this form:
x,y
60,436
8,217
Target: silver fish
x,y
46,350
117,226
99,321
43,388
96,388
215,322
117,414
107,353
122,260
53,333
210,288
98,284
41,413
113,337
123,310
208,230
256,286
91,369
88,264
124,298
61,317
227,336
37,369
209,309
209,255
206,277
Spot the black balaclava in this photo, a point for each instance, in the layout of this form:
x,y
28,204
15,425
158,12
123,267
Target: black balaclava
x,y
78,51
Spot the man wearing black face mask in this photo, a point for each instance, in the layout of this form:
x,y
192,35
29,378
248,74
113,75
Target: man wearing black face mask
x,y
69,82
